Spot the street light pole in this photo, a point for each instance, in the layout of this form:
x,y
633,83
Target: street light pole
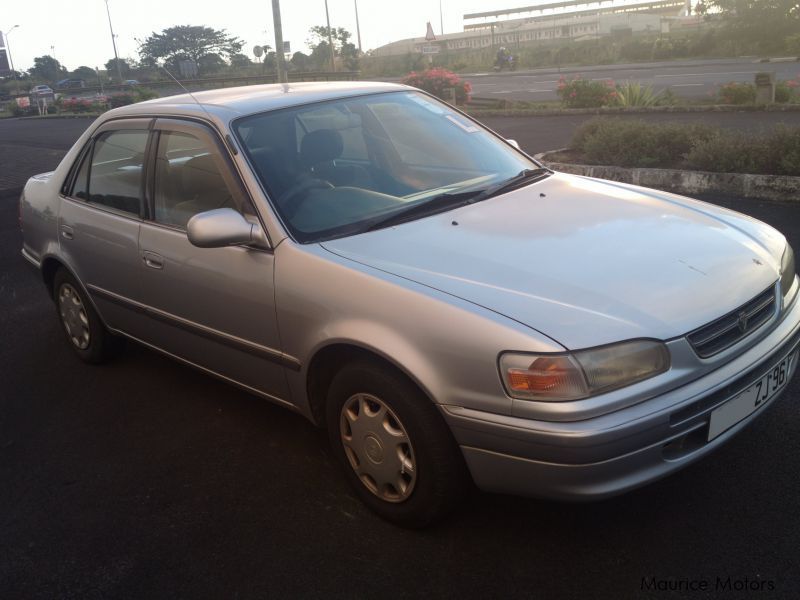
x,y
330,38
114,43
358,28
10,59
276,22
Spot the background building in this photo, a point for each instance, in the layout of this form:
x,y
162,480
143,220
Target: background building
x,y
555,21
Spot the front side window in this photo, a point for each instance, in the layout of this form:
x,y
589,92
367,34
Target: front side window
x,y
339,167
113,176
188,179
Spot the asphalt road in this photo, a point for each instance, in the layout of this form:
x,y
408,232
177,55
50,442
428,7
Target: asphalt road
x,y
689,79
144,478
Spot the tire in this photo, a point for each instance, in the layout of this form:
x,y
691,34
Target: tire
x,y
396,450
81,325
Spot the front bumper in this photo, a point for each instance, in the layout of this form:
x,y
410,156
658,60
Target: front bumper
x,y
616,452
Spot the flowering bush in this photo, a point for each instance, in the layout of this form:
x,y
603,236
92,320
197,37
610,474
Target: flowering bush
x,y
437,82
121,99
582,93
735,92
788,90
80,105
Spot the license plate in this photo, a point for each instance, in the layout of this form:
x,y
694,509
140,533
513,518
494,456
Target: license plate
x,y
751,399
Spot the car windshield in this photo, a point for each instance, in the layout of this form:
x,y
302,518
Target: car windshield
x,y
343,167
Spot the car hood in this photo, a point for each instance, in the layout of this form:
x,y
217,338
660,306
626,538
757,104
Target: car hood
x,y
584,261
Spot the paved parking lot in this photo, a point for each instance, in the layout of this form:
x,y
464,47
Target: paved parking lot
x,y
144,478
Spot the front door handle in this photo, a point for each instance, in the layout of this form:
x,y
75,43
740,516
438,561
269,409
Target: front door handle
x,y
67,233
153,260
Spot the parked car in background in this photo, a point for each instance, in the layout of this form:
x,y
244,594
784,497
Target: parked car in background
x,y
71,84
131,82
444,305
41,90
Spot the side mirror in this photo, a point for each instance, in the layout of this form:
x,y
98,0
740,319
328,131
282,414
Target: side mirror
x,y
514,143
224,227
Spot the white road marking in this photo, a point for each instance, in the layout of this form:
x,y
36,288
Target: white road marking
x,y
686,84
503,92
705,74
535,91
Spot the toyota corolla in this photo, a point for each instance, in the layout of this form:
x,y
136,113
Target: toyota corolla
x,y
448,308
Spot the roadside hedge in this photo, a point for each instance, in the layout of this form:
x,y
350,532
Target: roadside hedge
x,y
696,147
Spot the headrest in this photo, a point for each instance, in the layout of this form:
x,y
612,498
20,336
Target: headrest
x,y
320,146
200,175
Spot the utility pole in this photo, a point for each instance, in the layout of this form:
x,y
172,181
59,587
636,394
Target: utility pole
x,y
358,29
441,18
114,43
11,60
281,59
330,38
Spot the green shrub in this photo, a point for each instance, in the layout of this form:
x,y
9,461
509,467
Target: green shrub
x,y
727,152
787,91
634,143
632,93
735,92
23,111
120,99
582,93
781,151
141,94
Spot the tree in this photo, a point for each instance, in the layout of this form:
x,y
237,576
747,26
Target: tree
x,y
211,63
47,68
320,49
189,42
300,61
240,61
763,23
124,66
84,72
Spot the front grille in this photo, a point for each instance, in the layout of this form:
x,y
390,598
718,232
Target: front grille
x,y
736,325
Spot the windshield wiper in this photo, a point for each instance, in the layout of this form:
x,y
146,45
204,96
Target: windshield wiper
x,y
450,200
524,177
437,204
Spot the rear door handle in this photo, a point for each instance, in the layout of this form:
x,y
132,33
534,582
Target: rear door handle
x,y
67,233
153,260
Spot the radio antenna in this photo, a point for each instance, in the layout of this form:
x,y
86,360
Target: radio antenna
x,y
188,92
228,139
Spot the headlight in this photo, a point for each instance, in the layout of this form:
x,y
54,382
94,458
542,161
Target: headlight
x,y
787,270
576,375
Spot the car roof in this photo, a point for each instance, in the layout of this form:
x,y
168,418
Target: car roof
x,y
227,103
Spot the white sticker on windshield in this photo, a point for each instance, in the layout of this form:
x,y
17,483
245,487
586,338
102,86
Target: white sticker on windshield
x,y
438,110
468,127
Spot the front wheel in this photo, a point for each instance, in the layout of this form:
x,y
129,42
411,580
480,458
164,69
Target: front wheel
x,y
396,450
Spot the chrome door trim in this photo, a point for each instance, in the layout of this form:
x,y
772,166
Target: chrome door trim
x,y
213,373
215,335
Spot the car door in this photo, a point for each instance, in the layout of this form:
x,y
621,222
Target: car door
x,y
214,307
99,218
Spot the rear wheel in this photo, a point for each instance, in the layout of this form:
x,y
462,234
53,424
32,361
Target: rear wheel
x,y
82,326
397,452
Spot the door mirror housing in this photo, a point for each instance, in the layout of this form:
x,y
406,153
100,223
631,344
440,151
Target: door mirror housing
x,y
223,227
514,143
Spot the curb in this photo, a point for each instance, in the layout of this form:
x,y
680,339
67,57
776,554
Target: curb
x,y
556,112
782,188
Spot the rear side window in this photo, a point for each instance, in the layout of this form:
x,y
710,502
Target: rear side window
x,y
115,179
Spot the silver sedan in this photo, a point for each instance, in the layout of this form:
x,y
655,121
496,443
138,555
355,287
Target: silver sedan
x,y
449,309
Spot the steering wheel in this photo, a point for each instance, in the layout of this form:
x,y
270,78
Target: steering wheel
x,y
287,200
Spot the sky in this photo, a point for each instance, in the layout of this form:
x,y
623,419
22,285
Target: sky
x,y
76,31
